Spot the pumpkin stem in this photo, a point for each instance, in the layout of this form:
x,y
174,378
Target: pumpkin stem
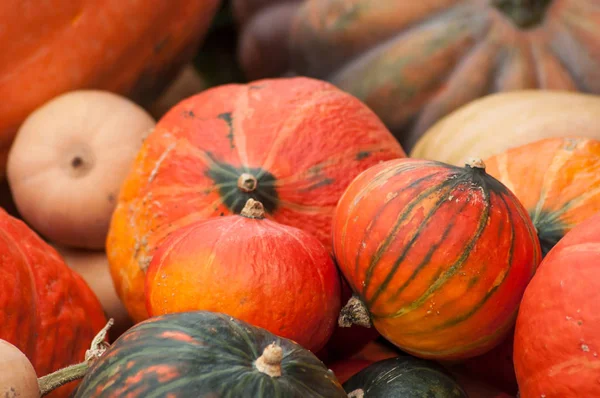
x,y
524,13
247,182
270,361
475,163
354,313
253,209
66,375
358,393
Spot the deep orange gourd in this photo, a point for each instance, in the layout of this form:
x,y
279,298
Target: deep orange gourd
x,y
293,144
414,62
270,275
556,179
439,255
51,47
46,310
557,344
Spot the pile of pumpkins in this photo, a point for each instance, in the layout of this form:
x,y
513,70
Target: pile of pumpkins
x,y
276,238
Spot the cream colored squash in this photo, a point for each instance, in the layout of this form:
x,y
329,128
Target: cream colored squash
x,y
68,161
17,376
93,267
495,123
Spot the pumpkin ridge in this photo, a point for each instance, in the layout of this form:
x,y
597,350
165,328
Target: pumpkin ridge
x,y
453,269
450,184
401,218
376,217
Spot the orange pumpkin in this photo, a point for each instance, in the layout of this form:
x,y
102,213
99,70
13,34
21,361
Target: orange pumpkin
x,y
556,179
292,144
52,47
415,61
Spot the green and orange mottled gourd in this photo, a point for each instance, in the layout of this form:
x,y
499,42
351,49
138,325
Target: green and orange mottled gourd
x,y
206,354
292,144
439,255
414,62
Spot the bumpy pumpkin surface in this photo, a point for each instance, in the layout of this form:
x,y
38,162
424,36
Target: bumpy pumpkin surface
x,y
557,340
292,144
413,62
440,255
52,47
403,376
46,310
271,275
556,179
206,354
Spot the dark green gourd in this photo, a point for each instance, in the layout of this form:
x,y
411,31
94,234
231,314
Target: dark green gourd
x,y
205,354
403,377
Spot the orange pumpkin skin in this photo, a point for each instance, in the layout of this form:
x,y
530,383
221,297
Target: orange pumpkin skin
x,y
556,179
440,255
415,63
557,344
132,48
273,276
46,310
301,139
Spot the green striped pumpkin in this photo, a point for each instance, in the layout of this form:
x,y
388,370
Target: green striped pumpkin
x,y
206,354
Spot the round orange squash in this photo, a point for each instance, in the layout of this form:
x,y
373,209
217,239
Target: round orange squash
x,y
438,256
495,123
270,275
413,62
292,144
74,152
557,339
51,47
556,179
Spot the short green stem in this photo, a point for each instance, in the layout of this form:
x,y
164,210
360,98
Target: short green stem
x,y
52,381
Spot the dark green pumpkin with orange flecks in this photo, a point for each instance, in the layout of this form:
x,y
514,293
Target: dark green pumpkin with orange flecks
x,y
404,376
206,354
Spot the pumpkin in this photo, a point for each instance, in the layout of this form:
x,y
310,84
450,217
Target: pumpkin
x,y
403,376
495,123
83,144
131,48
46,310
206,354
415,63
273,276
17,376
437,255
292,144
556,179
93,268
557,344
262,47
346,341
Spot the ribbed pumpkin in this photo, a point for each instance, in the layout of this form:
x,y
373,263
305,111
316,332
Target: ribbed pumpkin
x,y
271,275
498,122
46,310
403,376
439,255
557,339
51,47
206,354
292,144
413,62
556,179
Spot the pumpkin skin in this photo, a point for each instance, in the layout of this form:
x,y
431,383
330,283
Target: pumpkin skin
x,y
302,140
203,354
46,310
413,64
562,298
439,255
495,123
403,376
556,179
136,54
270,275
